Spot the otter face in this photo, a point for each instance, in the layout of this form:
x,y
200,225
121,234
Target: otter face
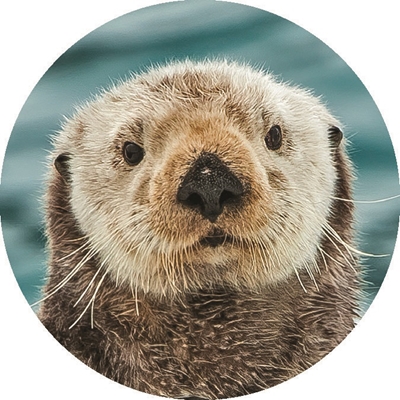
x,y
196,176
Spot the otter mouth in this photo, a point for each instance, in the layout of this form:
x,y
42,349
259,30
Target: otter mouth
x,y
216,238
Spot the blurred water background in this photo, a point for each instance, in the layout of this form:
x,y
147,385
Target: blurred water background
x,y
196,30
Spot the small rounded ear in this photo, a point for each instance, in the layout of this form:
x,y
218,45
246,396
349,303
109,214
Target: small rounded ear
x,y
335,136
62,166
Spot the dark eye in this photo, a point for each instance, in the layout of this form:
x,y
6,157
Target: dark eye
x,y
273,140
133,153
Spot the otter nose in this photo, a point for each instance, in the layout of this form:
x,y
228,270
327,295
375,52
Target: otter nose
x,y
208,186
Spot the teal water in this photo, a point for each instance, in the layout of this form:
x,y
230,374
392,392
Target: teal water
x,y
196,30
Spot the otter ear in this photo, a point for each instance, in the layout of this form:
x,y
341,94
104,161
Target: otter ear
x,y
335,136
62,166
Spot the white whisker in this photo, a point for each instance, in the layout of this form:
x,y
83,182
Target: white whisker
x,y
70,275
299,279
340,251
348,247
89,303
87,287
80,248
93,299
367,201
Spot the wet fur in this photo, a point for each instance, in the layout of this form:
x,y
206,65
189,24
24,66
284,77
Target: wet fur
x,y
178,326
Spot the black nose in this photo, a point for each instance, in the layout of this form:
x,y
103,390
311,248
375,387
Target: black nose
x,y
208,186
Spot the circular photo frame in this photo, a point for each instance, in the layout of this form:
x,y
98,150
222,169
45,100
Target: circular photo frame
x,y
175,49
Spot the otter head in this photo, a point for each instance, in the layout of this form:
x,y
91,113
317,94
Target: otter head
x,y
197,176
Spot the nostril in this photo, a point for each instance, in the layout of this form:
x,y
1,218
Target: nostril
x,y
194,200
227,197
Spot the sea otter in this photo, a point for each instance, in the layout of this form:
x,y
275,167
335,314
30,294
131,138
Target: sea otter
x,y
199,244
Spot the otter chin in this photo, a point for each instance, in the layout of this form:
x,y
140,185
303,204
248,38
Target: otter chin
x,y
200,232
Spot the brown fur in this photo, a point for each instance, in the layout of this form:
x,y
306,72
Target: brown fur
x,y
208,335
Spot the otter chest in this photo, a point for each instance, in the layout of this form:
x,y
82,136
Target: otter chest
x,y
205,343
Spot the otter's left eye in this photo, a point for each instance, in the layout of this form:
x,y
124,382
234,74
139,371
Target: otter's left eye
x,y
133,153
273,139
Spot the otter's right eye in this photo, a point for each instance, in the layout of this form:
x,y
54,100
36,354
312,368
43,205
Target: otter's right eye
x,y
273,140
133,153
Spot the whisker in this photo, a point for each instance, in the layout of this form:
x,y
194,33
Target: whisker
x,y
367,201
299,279
339,250
89,303
93,299
311,275
80,248
323,252
350,248
323,256
70,275
87,287
327,228
136,301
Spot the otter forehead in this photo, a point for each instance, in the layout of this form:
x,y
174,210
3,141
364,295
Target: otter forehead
x,y
241,93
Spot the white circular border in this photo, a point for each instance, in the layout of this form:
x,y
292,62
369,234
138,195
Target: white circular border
x,y
365,35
